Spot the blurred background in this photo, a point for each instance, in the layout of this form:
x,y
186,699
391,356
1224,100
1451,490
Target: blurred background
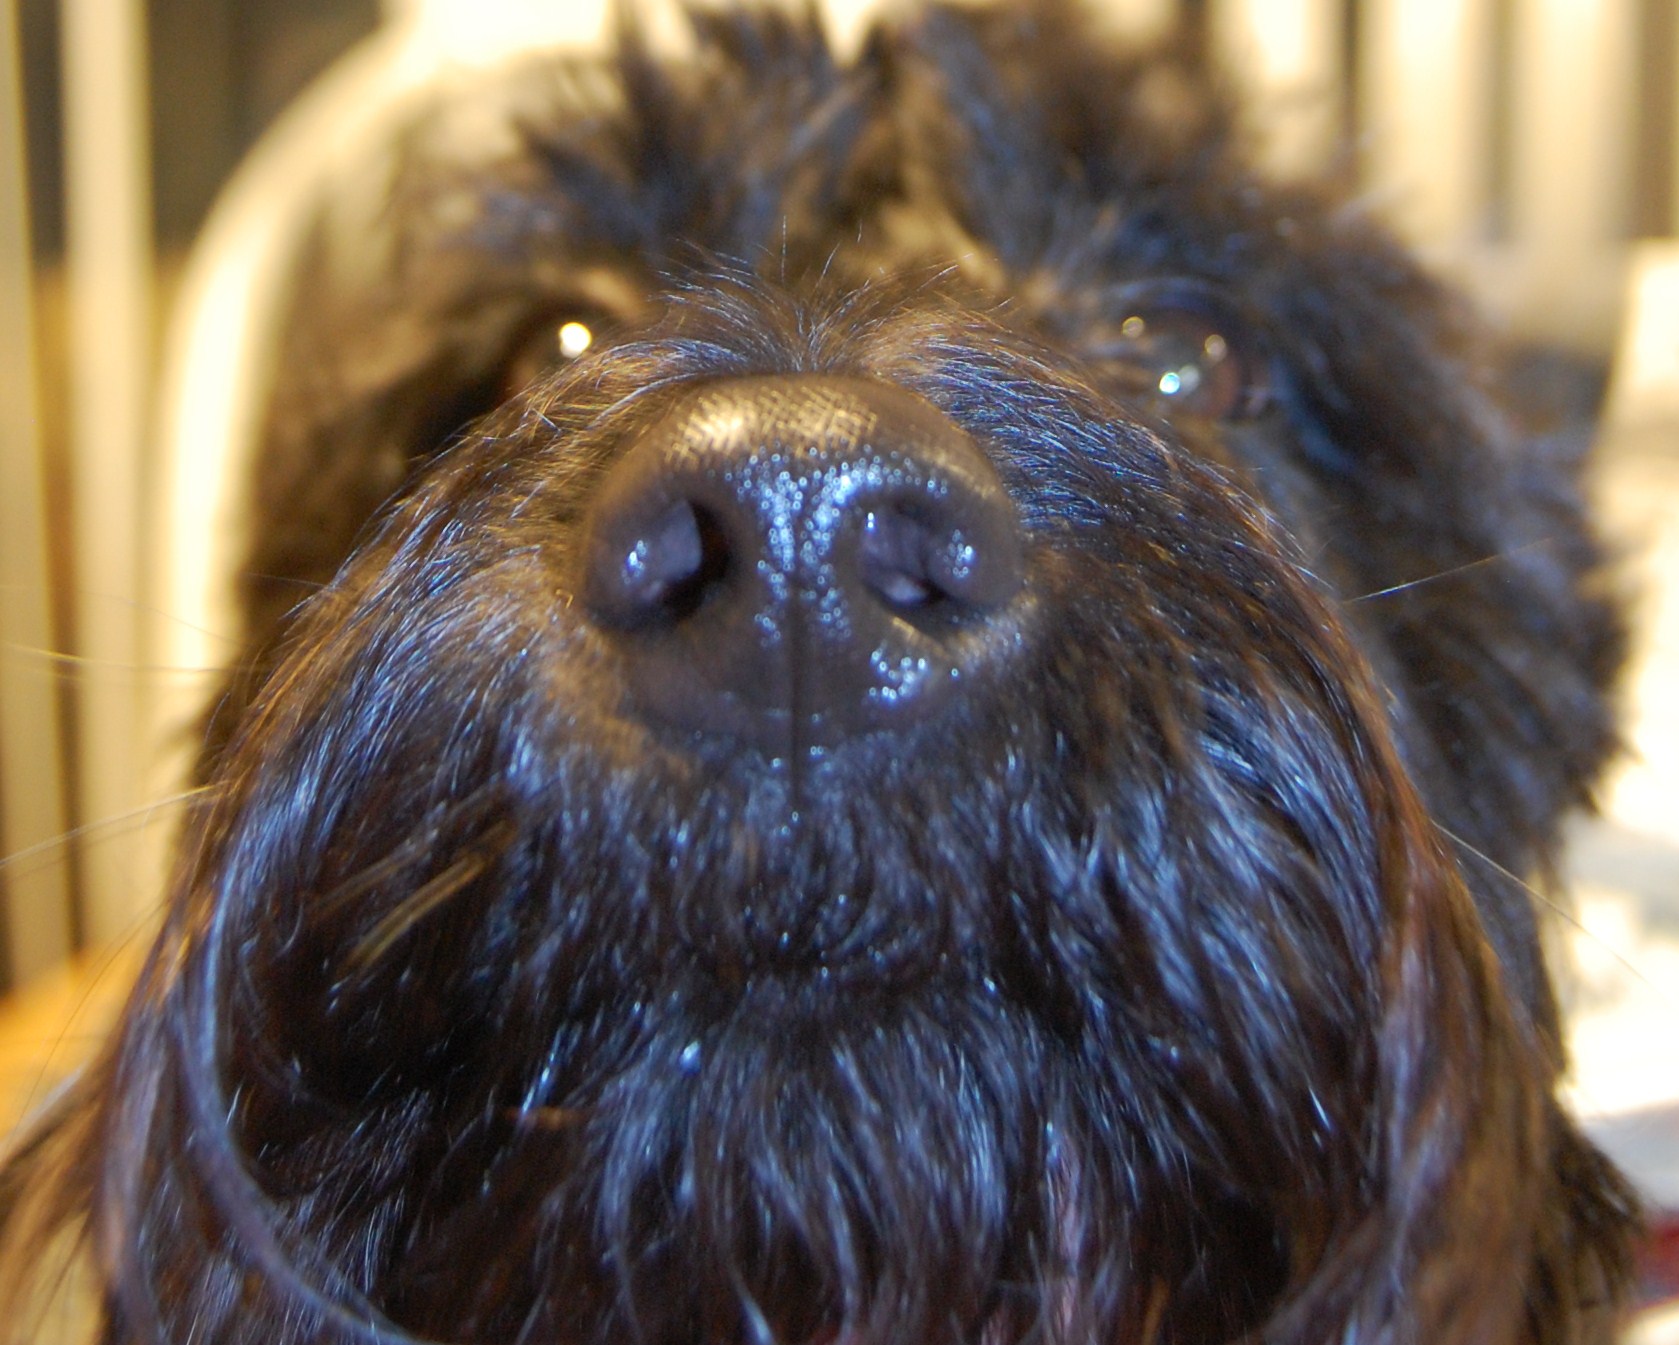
x,y
1526,147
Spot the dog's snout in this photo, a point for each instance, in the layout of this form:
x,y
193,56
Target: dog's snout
x,y
796,559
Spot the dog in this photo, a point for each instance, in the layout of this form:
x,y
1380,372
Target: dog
x,y
947,741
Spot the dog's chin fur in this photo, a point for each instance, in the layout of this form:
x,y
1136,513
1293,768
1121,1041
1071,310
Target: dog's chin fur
x,y
1170,983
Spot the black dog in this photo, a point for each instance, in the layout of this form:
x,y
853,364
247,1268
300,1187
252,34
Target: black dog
x,y
961,775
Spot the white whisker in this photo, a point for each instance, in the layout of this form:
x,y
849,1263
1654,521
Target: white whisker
x,y
1557,908
143,815
1447,574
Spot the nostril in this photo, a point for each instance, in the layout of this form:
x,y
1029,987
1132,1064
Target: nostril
x,y
895,560
660,571
917,560
666,560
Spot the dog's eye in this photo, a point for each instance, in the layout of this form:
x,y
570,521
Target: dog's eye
x,y
554,342
1181,348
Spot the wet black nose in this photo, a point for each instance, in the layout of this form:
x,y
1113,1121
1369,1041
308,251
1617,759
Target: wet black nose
x,y
797,559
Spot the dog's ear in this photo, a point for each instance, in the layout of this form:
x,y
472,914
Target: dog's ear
x,y
1462,544
1496,1218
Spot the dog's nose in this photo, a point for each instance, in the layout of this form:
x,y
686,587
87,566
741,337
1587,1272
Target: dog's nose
x,y
798,559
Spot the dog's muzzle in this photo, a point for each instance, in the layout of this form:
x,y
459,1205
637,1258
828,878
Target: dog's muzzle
x,y
798,559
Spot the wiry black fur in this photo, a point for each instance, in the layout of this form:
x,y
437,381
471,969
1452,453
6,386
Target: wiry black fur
x,y
1174,985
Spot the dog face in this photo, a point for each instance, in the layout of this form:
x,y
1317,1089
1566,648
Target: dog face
x,y
955,776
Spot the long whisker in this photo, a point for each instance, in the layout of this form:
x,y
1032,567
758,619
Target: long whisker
x,y
1557,908
59,659
116,822
1449,574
